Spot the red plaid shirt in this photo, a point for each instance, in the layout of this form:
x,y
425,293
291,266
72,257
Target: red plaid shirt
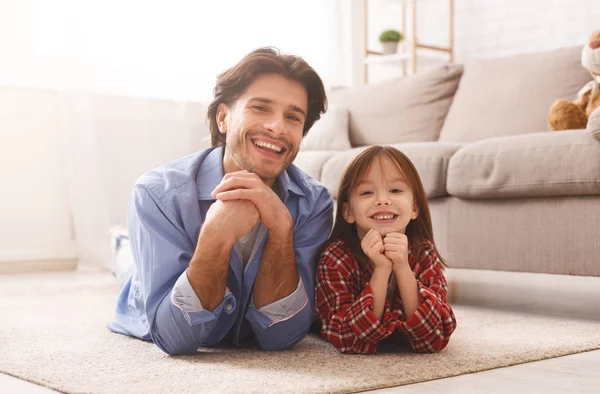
x,y
344,301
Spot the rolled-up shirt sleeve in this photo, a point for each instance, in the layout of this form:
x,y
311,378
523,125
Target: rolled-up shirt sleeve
x,y
286,307
185,298
162,250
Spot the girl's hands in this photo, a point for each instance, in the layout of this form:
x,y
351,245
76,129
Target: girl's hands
x,y
373,246
395,247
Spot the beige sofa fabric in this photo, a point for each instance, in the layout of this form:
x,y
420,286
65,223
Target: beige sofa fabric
x,y
410,109
330,132
554,235
512,95
430,159
532,165
311,162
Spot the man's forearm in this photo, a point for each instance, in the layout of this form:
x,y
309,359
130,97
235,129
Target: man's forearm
x,y
208,269
277,276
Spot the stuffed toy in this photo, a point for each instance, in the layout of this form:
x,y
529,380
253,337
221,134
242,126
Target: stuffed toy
x,y
570,115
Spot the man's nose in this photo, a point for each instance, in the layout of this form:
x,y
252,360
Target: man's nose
x,y
275,125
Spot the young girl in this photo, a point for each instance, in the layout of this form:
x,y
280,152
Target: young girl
x,y
380,275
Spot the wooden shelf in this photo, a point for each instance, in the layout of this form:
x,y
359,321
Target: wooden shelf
x,y
396,58
410,50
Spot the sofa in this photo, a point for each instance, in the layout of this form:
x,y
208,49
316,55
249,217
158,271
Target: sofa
x,y
504,192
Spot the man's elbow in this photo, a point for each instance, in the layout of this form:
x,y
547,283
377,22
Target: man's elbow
x,y
174,347
178,350
275,344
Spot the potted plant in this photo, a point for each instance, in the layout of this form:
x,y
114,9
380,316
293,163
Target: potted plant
x,y
389,40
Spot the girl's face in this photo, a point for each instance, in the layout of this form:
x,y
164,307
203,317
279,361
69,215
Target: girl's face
x,y
383,200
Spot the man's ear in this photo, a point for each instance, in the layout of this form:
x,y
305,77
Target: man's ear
x,y
348,217
222,111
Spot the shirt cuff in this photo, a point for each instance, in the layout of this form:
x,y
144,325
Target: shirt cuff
x,y
365,324
185,299
282,309
417,325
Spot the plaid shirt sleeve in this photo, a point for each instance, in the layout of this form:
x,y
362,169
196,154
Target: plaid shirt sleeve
x,y
346,310
429,328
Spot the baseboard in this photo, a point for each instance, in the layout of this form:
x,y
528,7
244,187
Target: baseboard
x,y
33,266
559,295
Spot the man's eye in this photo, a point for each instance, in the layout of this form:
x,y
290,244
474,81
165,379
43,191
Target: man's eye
x,y
260,108
294,118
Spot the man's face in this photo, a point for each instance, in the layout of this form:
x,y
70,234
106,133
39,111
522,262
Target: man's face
x,y
264,126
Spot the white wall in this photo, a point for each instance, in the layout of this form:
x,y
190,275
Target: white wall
x,y
68,160
488,28
35,220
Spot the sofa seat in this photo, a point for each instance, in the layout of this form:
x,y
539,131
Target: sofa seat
x,y
563,163
430,159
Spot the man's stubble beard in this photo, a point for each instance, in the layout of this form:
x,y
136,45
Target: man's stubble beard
x,y
244,164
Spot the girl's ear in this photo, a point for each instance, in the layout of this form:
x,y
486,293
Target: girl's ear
x,y
347,214
222,111
415,212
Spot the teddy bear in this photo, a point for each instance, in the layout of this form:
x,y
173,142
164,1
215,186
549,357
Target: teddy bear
x,y
570,115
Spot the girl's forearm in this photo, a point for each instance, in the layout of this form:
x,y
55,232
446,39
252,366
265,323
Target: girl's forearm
x,y
379,283
408,288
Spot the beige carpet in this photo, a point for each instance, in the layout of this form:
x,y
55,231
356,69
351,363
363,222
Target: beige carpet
x,y
53,332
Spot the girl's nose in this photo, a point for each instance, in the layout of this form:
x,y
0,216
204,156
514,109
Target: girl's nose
x,y
382,201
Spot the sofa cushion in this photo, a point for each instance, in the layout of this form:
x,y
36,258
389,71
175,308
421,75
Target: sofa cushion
x,y
330,132
512,95
409,109
311,162
558,163
429,158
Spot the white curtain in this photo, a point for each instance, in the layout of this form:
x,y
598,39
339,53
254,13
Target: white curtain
x,y
134,76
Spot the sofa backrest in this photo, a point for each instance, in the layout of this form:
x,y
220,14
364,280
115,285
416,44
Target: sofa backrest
x,y
410,109
512,95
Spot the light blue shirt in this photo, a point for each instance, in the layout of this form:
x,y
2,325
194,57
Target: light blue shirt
x,y
166,211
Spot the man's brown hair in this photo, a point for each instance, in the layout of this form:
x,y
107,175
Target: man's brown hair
x,y
233,83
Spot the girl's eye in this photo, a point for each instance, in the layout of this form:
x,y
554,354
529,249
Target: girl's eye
x,y
366,193
396,191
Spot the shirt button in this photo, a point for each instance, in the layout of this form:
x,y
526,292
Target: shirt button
x,y
229,307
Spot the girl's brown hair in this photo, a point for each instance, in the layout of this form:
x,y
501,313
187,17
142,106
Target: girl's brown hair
x,y
417,231
233,83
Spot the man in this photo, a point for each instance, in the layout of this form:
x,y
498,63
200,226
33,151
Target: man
x,y
225,241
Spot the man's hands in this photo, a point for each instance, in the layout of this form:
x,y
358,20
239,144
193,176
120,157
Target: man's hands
x,y
247,187
231,219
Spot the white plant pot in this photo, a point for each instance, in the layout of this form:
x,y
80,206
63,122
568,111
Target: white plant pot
x,y
389,47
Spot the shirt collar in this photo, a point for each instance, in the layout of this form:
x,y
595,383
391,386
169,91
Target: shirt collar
x,y
210,175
